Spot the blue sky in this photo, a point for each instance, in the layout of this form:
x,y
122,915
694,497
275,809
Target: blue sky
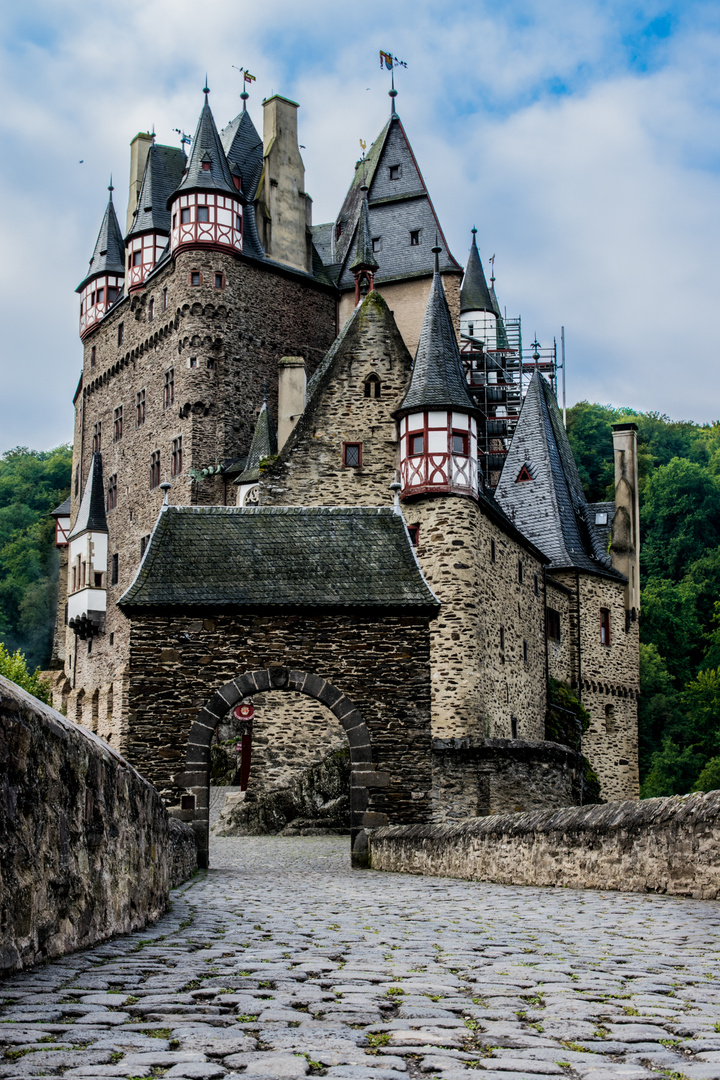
x,y
583,140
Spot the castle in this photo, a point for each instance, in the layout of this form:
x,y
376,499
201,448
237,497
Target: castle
x,y
408,551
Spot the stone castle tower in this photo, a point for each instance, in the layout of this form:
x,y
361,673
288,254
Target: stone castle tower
x,y
224,307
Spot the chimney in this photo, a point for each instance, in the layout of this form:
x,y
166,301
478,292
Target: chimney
x,y
291,395
139,150
625,545
283,186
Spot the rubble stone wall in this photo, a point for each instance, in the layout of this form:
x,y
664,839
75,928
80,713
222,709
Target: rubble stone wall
x,y
654,845
84,844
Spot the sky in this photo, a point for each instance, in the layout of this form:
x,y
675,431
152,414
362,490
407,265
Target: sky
x,y
582,139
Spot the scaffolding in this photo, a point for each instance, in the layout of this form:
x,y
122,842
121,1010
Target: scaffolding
x,y
498,379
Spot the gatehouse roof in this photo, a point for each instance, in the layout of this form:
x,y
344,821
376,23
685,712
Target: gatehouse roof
x,y
289,556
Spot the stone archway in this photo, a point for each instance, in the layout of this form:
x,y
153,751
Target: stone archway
x,y
196,779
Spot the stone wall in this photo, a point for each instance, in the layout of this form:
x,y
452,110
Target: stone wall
x,y
379,660
83,837
655,845
480,777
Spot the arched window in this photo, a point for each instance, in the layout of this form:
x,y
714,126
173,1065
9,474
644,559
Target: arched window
x,y
373,386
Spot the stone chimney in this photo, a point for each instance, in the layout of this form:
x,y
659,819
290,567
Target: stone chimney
x,y
291,395
287,207
625,545
139,150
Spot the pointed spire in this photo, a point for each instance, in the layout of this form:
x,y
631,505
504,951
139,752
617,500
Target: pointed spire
x,y
474,292
263,445
91,515
438,379
207,168
109,254
364,257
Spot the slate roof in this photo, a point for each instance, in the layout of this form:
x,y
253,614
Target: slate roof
x,y
232,557
364,258
91,515
109,254
207,147
244,149
474,292
63,510
395,208
437,380
163,173
263,445
551,509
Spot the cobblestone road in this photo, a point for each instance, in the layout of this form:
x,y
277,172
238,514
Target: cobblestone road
x,y
281,962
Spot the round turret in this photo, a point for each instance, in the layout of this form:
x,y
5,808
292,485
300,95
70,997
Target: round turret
x,y
106,272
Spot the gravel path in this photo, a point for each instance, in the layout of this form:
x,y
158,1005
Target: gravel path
x,y
282,962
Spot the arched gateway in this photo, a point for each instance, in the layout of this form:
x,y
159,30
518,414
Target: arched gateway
x,y
196,779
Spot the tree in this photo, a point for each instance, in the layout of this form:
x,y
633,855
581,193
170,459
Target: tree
x,y
14,667
709,778
680,518
670,622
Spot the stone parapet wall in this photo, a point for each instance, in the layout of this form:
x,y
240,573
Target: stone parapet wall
x,y
655,845
83,837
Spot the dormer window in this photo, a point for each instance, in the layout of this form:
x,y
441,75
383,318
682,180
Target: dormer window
x,y
202,212
377,243
206,166
415,238
395,172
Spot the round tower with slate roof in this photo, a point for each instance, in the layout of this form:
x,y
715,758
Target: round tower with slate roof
x,y
206,207
478,315
148,235
103,284
437,417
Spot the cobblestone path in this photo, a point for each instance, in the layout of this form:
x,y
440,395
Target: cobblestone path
x,y
281,962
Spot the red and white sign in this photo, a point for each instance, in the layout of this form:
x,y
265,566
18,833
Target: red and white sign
x,y
244,711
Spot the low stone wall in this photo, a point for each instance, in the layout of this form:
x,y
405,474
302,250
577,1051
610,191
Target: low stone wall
x,y
182,852
83,837
656,845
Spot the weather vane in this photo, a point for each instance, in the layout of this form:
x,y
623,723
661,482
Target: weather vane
x,y
247,78
390,62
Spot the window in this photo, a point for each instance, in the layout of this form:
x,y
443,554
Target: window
x,y
604,626
372,386
377,243
92,357
193,361
601,518
395,172
164,299
210,363
83,569
136,258
176,456
114,569
195,277
112,492
553,624
121,333
112,637
610,725
536,584
151,311
77,480
144,541
97,580
140,408
352,455
492,551
174,220
218,281
202,213
100,295
97,437
154,468
117,423
525,651
112,293
520,572
513,727
185,216
238,223
338,230
415,238
417,443
169,388
414,531
502,638
460,443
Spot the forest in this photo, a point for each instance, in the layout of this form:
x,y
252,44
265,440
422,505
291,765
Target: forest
x,y
680,561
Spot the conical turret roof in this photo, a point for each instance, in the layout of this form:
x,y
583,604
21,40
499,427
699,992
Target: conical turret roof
x,y
109,254
207,149
263,445
244,151
91,515
474,292
364,258
163,172
437,380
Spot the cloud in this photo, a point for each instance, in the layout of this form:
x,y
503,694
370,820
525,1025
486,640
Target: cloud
x,y
581,139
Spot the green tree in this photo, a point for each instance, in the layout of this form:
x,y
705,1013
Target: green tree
x,y
680,518
673,770
709,778
14,667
